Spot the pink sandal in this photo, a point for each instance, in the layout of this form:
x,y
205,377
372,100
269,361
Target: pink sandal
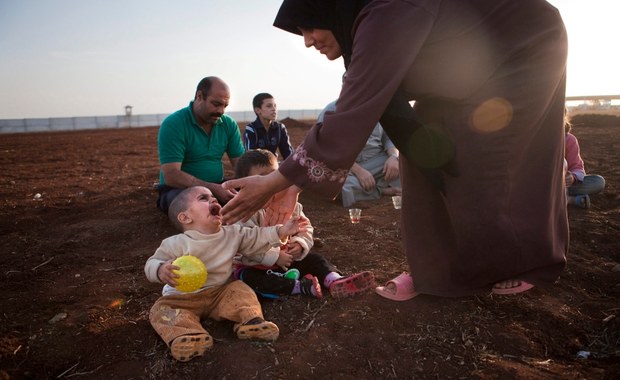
x,y
522,287
402,288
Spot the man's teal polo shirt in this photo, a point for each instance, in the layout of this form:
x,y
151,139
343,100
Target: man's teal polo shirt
x,y
182,140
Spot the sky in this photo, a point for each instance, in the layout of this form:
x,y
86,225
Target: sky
x,y
64,58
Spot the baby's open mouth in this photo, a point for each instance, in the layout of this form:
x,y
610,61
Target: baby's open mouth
x,y
215,209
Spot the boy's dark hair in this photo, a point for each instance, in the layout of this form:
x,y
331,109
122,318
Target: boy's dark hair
x,y
258,99
252,158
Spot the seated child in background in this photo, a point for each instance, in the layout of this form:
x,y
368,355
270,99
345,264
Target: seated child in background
x,y
375,170
176,315
271,277
579,186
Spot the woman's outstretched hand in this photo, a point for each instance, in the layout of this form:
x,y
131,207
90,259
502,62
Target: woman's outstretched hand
x,y
254,193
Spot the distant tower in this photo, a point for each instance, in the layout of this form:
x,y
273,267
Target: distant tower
x,y
128,109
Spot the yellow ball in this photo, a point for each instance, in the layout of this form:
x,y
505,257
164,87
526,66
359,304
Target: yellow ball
x,y
192,272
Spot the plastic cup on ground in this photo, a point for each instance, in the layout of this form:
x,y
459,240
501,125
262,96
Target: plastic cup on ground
x,y
355,214
397,201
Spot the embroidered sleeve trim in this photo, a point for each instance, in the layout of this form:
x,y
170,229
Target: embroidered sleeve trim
x,y
317,170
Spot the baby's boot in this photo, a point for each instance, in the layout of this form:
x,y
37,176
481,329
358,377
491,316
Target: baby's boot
x,y
187,347
258,328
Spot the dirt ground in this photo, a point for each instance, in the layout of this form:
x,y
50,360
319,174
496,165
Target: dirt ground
x,y
78,221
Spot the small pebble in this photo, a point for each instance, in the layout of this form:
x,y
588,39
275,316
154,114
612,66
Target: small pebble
x,y
57,317
583,354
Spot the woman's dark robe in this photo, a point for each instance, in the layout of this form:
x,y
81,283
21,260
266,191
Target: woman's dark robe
x,y
490,74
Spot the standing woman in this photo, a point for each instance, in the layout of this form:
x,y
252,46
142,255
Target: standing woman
x,y
481,149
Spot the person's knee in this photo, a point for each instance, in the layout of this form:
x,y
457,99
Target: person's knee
x,y
592,184
166,196
599,183
161,205
314,258
240,287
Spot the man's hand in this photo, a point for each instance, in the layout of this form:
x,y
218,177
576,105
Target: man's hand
x,y
365,178
175,177
390,169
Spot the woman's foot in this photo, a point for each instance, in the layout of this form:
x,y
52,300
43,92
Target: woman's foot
x,y
400,288
511,287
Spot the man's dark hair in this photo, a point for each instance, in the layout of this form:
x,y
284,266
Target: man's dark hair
x,y
204,86
258,99
252,158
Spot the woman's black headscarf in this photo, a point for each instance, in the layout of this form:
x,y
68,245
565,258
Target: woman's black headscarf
x,y
399,119
337,16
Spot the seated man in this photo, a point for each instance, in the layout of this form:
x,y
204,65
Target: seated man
x,y
192,142
265,132
375,171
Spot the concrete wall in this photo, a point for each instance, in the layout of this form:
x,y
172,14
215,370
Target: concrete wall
x,y
121,121
242,117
